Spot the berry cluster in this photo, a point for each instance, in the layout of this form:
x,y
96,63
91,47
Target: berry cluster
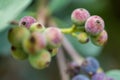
x,y
93,27
89,69
31,40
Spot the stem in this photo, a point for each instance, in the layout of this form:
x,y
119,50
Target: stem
x,y
62,65
14,22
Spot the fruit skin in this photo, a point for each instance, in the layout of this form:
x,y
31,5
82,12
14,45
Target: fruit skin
x,y
80,77
36,27
100,39
90,65
94,25
99,76
83,37
34,43
40,60
26,21
54,52
17,34
54,37
79,16
18,53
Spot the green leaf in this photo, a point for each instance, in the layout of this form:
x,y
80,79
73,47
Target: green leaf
x,y
10,9
115,74
56,5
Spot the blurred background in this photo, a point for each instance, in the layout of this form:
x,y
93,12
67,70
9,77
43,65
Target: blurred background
x,y
108,56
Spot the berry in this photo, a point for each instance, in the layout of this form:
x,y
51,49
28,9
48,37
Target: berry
x,y
90,65
83,37
26,21
54,37
34,43
79,16
80,77
17,34
37,27
94,25
99,76
18,53
100,39
73,69
54,52
40,60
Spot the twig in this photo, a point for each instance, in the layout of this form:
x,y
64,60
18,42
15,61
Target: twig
x,y
62,65
14,22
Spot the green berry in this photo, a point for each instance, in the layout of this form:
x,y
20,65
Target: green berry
x,y
16,35
37,27
40,60
18,53
54,52
83,37
100,39
34,43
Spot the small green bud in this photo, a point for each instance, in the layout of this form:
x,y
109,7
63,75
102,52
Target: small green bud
x,y
40,60
18,53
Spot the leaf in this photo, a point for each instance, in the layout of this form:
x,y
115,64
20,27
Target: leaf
x,y
9,10
115,74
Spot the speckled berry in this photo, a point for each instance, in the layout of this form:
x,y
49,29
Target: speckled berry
x,y
18,53
40,60
83,37
94,25
99,76
17,34
79,16
80,77
100,39
26,21
34,43
54,37
90,65
37,27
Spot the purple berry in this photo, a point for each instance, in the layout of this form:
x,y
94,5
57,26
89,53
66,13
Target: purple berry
x,y
100,39
79,16
27,21
54,37
94,25
99,76
80,77
90,65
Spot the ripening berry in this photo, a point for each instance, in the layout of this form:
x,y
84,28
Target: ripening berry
x,y
79,16
90,65
18,53
26,21
80,77
40,60
99,76
54,52
34,43
37,27
83,37
73,69
100,39
17,34
54,37
94,25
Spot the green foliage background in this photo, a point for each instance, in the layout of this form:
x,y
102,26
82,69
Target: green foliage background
x,y
109,55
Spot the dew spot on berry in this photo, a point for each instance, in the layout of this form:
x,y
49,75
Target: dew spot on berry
x,y
97,21
23,23
32,39
13,48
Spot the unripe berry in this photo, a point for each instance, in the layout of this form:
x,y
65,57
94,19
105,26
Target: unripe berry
x,y
17,34
40,60
18,53
90,65
79,16
80,77
37,27
54,52
26,21
34,43
83,37
54,37
99,76
94,25
100,39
